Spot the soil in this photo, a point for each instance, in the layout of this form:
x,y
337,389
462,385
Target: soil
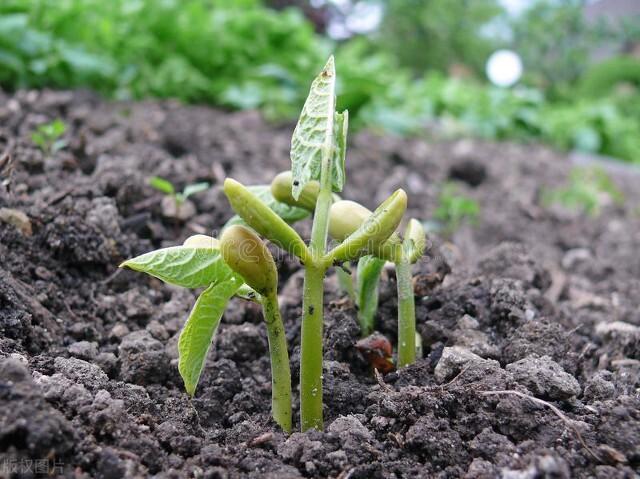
x,y
538,300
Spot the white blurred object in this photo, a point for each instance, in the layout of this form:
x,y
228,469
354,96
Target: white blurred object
x,y
504,68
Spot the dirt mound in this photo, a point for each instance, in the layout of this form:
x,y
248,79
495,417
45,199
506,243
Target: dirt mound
x,y
540,302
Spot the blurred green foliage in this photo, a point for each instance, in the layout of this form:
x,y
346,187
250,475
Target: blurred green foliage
x,y
554,41
48,136
437,34
455,209
587,190
240,54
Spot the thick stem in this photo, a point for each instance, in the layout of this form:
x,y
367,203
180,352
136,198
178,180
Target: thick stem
x,y
312,301
280,369
311,350
406,314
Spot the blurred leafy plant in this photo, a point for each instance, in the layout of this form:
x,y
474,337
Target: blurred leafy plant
x,y
588,190
263,57
48,137
454,209
166,187
436,34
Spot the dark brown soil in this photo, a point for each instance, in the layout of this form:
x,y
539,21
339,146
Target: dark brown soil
x,y
539,300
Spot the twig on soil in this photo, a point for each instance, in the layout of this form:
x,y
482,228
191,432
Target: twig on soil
x,y
457,376
557,412
111,277
380,380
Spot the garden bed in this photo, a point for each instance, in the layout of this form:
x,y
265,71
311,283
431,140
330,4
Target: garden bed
x,y
533,299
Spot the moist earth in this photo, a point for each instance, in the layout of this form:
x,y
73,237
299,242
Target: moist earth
x,y
530,319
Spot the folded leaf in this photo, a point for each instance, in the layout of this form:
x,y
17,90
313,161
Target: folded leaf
x,y
289,213
197,334
369,269
264,220
183,266
320,134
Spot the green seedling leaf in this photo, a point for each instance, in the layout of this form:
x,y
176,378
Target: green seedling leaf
x,y
197,334
194,188
162,185
288,213
47,136
183,266
415,240
345,280
374,231
320,133
369,270
264,220
55,129
341,127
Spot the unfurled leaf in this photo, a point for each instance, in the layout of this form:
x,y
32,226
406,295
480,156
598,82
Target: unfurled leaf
x,y
194,188
197,334
289,213
369,269
183,266
319,134
264,220
162,185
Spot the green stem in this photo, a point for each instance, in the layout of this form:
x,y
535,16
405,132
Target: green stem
x,y
312,302
406,314
280,369
311,350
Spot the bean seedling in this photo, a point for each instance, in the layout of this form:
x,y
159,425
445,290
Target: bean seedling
x,y
166,187
221,267
241,265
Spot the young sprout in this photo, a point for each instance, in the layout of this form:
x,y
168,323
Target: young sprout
x,y
454,209
48,137
239,264
318,151
174,203
347,216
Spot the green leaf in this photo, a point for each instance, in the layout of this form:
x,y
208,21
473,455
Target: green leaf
x,y
264,220
162,185
342,125
316,134
183,266
290,214
369,270
197,334
346,283
194,188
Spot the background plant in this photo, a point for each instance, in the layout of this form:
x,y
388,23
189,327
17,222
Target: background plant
x,y
166,187
241,54
588,189
49,137
454,209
